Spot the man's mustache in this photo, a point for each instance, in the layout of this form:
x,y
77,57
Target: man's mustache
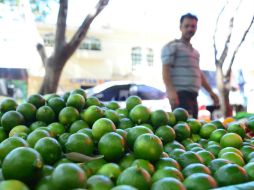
x,y
190,33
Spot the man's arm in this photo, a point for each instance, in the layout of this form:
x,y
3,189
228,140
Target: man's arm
x,y
171,92
209,89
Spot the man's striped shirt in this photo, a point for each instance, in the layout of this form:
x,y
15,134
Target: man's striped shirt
x,y
184,62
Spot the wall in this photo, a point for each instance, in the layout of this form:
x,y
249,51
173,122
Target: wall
x,y
113,62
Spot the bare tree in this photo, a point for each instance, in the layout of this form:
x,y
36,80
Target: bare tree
x,y
223,79
63,50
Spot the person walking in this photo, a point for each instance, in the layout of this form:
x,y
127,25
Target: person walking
x,y
180,71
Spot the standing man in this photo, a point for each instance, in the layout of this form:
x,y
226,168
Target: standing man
x,y
181,73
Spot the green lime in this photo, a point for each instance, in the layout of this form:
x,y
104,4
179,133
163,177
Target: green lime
x,y
80,91
181,114
246,150
172,146
132,101
167,162
50,150
231,174
123,111
77,125
217,134
166,134
182,131
168,183
56,128
86,131
37,124
218,124
234,158
195,125
101,127
37,100
112,146
195,168
215,164
81,143
206,130
13,184
23,163
113,105
206,156
238,128
112,115
167,172
8,104
77,101
35,135
11,119
28,111
68,115
200,181
110,170
45,114
140,114
19,129
125,123
148,147
92,101
68,176
159,118
231,140
57,104
10,144
230,149
99,182
250,170
92,114
136,177
214,149
188,158
145,164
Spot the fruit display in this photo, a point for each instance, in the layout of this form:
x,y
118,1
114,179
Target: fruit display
x,y
69,142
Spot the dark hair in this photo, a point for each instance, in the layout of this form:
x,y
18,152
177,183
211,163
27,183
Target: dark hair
x,y
188,15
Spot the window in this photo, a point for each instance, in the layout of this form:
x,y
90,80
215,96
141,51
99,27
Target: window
x,y
49,39
136,55
149,56
91,43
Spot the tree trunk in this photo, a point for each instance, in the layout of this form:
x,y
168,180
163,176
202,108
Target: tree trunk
x,y
53,70
229,109
226,109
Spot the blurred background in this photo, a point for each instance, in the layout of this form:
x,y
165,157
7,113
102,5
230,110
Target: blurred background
x,y
123,43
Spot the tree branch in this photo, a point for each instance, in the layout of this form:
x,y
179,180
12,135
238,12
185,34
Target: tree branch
x,y
215,31
42,53
82,31
226,47
61,25
237,48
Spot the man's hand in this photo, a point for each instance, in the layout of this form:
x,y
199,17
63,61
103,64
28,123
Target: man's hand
x,y
173,98
215,98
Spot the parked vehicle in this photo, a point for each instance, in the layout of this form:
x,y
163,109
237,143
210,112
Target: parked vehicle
x,y
152,97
